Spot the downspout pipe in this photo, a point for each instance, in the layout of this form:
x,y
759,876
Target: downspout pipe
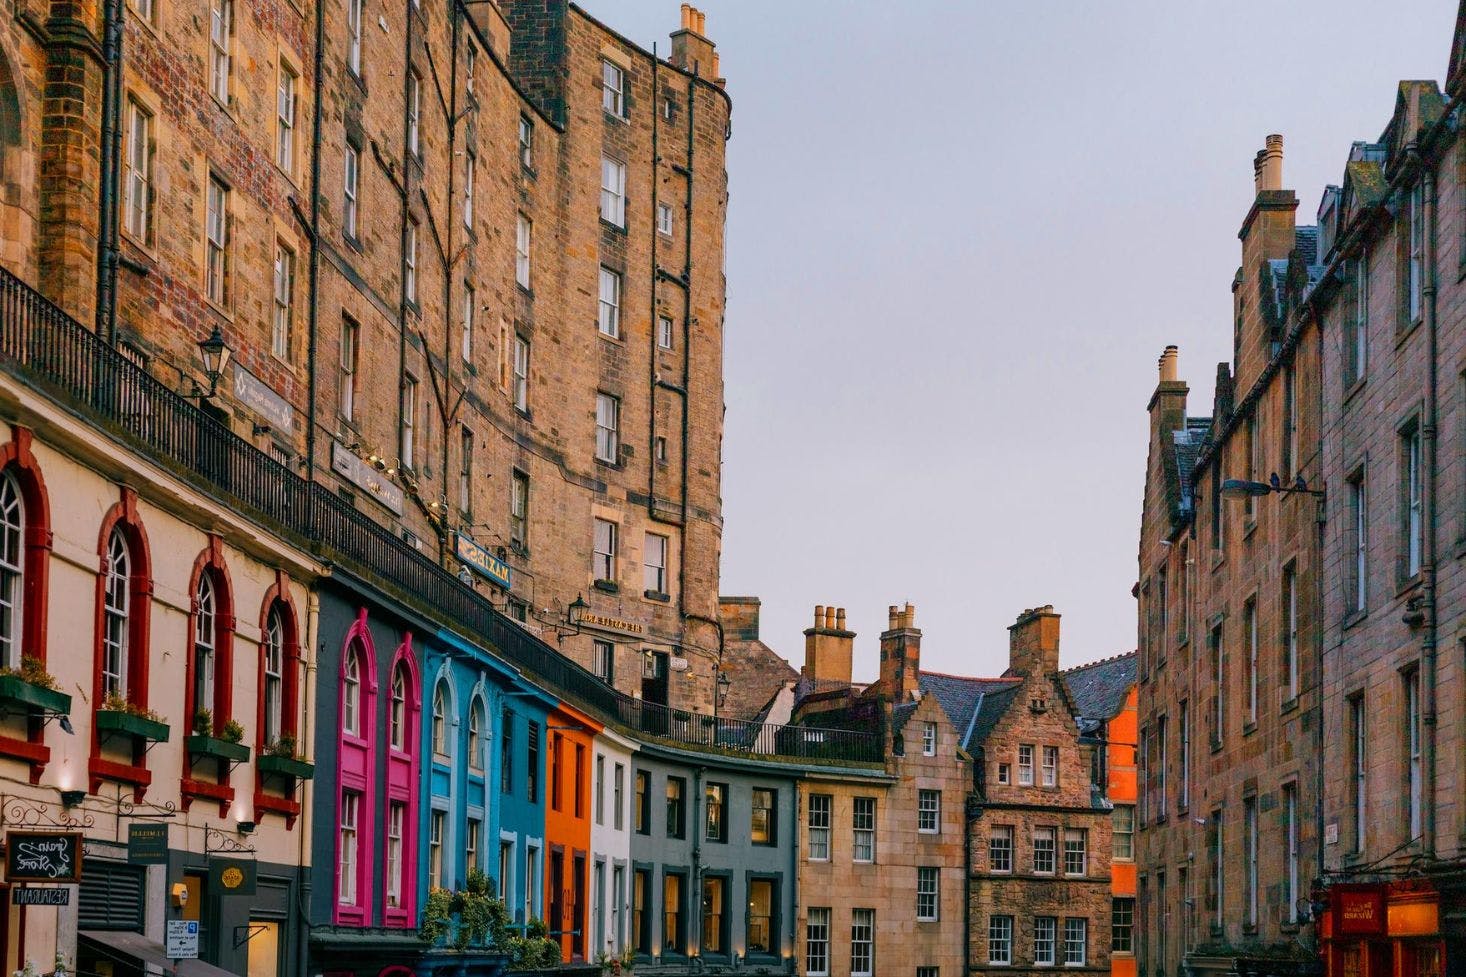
x,y
404,188
1318,764
313,315
111,149
1429,444
654,199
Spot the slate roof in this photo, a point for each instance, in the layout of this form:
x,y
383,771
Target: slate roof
x,y
756,673
1187,445
972,705
1099,689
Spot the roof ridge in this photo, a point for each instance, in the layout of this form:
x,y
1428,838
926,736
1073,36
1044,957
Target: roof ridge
x,y
967,678
1100,661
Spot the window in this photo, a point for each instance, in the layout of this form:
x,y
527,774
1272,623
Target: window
x,y
763,819
1005,773
506,753
929,739
664,332
1252,462
605,550
1122,924
613,90
618,789
519,509
617,944
409,259
470,168
1000,939
1219,865
716,802
1249,625
1415,258
1358,752
862,942
437,822
414,111
1219,692
1290,848
216,268
608,425
673,937
603,660
1249,869
351,186
351,692
928,811
926,894
1076,855
554,775
613,192
523,237
817,943
526,142
600,789
1185,800
396,817
714,916
865,829
1050,766
609,322
643,818
1045,934
440,719
579,780
1043,851
1410,485
465,470
819,827
284,309
661,450
654,556
397,710
221,27
928,972
1358,542
1000,848
409,422
1356,325
532,766
144,9
1025,765
470,845
1076,942
1290,630
476,736
353,35
346,864
137,180
531,879
664,218
641,935
1412,753
506,869
1122,824
758,939
274,694
1290,424
676,807
521,373
469,300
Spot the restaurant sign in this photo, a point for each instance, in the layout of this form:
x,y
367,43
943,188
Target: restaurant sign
x,y
481,561
1359,911
42,856
587,619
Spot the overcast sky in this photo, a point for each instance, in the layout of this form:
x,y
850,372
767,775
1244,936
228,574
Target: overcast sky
x,y
960,235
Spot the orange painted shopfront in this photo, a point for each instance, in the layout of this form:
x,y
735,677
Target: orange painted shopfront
x,y
1122,734
567,827
1389,929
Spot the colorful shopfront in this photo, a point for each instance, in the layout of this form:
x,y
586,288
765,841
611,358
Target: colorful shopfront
x,y
1386,928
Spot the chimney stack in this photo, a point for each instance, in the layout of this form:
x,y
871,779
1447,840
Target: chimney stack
x,y
828,648
901,654
691,49
1267,165
1033,642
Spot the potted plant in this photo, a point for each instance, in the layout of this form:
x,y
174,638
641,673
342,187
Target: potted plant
x,y
280,759
32,686
227,745
119,716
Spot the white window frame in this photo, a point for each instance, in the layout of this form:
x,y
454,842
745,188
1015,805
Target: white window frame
x,y
353,36
1050,769
396,819
1050,852
819,819
1000,843
929,739
654,562
470,298
608,319
407,445
346,385
665,337
928,893
205,637
526,142
604,549
613,89
137,202
1076,852
351,188
817,942
608,428
348,840
221,36
664,219
523,245
1045,940
603,658
414,112
217,228
519,508
286,99
519,373
274,690
862,942
1076,951
1000,940
1025,765
409,284
613,192
282,319
437,832
928,811
1123,826
863,823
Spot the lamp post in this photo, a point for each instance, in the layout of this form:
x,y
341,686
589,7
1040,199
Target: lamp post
x,y
215,353
1242,488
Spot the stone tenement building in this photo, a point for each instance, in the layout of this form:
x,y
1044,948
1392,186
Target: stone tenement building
x,y
467,257
1350,841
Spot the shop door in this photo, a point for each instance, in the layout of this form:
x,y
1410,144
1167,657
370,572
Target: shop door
x,y
654,691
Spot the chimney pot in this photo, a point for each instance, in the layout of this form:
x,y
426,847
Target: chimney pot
x,y
1271,170
840,618
1168,364
819,615
686,15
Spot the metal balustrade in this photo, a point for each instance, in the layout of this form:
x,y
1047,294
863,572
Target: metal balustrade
x,y
50,351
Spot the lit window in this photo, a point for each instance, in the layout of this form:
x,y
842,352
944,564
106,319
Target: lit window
x,y
609,320
763,818
715,805
613,192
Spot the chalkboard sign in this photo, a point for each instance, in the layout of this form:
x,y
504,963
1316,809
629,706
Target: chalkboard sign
x,y
43,856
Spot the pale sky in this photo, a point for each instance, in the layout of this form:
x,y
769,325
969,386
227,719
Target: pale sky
x,y
960,235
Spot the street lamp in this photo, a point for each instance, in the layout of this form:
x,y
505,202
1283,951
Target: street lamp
x,y
576,610
1241,488
216,355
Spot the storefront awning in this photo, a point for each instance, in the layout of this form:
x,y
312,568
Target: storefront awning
x,y
135,946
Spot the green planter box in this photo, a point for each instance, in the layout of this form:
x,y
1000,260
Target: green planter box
x,y
285,766
208,746
109,721
14,689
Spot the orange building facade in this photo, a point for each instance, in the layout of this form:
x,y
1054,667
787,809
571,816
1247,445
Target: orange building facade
x,y
1123,793
569,747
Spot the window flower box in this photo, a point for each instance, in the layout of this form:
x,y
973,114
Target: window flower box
x,y
38,698
125,723
283,766
217,749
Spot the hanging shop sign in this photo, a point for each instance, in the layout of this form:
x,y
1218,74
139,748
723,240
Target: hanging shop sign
x,y
56,895
147,844
256,394
1361,911
481,561
365,477
678,664
43,856
232,876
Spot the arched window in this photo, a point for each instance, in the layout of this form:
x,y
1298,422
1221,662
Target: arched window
x,y
274,684
397,717
116,612
12,570
351,691
440,719
476,735
205,631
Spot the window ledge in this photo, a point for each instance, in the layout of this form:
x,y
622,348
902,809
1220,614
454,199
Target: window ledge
x,y
1405,585
1354,617
1249,728
608,586
656,595
613,227
1407,329
1289,705
1249,527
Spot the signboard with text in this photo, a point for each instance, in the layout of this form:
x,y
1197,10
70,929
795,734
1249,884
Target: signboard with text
x,y
232,876
42,856
147,844
182,941
1359,912
55,895
481,561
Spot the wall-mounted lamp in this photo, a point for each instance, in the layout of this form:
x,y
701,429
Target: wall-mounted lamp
x,y
72,798
1241,488
576,610
215,353
245,827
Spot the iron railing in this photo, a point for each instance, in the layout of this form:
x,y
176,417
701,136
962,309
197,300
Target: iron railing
x,y
58,356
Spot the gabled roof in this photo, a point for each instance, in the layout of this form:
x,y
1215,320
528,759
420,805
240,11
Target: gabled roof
x,y
972,705
1418,106
1099,689
1456,73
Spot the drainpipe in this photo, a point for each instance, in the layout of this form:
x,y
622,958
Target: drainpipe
x,y
651,446
404,188
1428,554
1318,733
313,317
111,148
967,883
696,828
789,926
448,271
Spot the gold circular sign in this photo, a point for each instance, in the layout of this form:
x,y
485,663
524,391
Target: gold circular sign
x,y
232,877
